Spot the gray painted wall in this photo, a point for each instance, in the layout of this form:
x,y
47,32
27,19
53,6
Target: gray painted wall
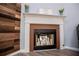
x,y
71,21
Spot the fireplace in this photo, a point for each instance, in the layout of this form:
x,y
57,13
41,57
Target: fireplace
x,y
44,39
33,21
44,36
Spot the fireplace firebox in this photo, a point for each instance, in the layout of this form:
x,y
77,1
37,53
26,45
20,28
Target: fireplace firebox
x,y
44,39
44,36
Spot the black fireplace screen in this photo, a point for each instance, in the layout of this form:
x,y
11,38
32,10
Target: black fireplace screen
x,y
44,39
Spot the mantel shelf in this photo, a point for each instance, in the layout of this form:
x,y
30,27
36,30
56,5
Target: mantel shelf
x,y
38,14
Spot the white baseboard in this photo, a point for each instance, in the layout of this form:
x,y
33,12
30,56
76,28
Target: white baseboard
x,y
13,53
71,48
24,51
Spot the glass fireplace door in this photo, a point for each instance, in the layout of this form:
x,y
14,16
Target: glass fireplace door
x,y
44,38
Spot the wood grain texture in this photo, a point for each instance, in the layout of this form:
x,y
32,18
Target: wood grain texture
x,y
14,6
9,27
5,44
7,9
57,52
16,47
10,11
9,36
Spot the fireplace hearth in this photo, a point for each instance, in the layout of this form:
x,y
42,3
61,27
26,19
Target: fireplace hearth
x,y
44,39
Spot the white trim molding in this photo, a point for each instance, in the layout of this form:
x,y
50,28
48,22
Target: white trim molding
x,y
71,48
13,53
16,52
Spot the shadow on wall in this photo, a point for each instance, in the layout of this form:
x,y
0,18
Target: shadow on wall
x,y
78,34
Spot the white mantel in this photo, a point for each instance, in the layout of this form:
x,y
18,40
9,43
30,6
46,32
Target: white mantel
x,y
40,19
44,18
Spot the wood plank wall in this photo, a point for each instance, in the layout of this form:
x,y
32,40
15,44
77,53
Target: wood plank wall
x,y
9,28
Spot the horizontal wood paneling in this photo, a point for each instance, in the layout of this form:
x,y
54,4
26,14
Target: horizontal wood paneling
x,y
17,23
6,44
14,6
9,26
9,36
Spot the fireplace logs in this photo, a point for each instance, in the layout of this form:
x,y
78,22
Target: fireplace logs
x,y
44,37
